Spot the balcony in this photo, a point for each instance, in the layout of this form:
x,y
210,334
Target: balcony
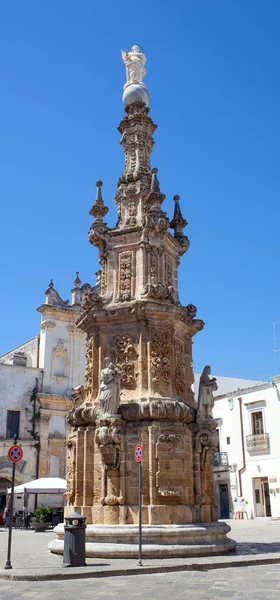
x,y
258,442
220,460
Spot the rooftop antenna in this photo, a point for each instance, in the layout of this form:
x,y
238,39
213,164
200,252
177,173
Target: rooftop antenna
x,y
275,349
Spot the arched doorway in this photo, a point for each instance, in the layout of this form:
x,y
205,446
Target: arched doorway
x,y
4,485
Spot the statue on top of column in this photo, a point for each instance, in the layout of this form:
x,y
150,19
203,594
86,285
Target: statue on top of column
x,y
205,394
134,63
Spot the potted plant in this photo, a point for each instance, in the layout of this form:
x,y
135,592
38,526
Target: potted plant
x,y
42,518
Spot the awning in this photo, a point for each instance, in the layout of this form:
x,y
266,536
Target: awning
x,y
44,485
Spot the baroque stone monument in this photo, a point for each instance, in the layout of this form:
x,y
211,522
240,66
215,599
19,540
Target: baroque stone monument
x,y
138,380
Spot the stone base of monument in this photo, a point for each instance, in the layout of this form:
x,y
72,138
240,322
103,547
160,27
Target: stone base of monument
x,y
159,541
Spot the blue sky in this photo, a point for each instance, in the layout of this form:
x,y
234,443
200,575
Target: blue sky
x,y
213,77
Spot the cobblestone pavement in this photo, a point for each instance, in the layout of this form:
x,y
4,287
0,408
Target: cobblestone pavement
x,y
258,583
257,540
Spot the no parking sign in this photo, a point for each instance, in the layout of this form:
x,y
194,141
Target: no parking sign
x,y
15,453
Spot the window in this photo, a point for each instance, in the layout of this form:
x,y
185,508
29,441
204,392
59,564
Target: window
x,y
257,422
12,423
228,440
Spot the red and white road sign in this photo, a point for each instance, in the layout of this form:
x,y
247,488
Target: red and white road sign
x,y
138,453
15,453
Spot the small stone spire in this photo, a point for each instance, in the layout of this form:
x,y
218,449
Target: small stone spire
x,y
76,291
155,197
49,289
52,297
50,286
98,210
177,223
77,280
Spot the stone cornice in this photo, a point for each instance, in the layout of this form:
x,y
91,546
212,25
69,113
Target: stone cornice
x,y
49,399
139,311
52,309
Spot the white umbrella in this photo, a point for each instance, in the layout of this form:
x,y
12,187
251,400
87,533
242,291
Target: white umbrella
x,y
44,485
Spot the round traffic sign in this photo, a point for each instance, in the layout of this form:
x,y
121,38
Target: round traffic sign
x,y
15,453
138,453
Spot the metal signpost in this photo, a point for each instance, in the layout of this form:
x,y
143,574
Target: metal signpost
x,y
138,458
15,454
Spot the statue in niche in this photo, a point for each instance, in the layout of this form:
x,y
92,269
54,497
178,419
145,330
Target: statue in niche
x,y
207,386
109,396
134,64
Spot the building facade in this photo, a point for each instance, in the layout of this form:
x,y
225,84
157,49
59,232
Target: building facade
x,y
248,462
36,382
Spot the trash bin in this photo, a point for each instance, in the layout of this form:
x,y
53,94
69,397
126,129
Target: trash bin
x,y
74,541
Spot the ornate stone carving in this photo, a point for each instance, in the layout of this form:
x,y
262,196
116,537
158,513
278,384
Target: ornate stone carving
x,y
132,212
103,276
158,292
179,366
188,316
125,276
89,367
91,300
60,345
168,272
206,442
154,267
131,190
160,356
47,325
156,221
108,436
70,470
108,432
124,355
171,439
98,234
109,394
98,210
169,410
205,394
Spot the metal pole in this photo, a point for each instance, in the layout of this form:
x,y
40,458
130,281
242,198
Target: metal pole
x,y
140,515
8,561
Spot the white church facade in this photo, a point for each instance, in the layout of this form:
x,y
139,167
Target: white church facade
x,y
36,383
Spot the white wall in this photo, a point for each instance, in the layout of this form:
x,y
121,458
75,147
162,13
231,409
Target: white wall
x,y
61,342
259,465
16,385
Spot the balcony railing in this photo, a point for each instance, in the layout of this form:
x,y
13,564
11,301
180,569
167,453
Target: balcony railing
x,y
220,459
258,442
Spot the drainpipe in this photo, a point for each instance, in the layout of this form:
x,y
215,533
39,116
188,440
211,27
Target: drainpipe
x,y
243,468
38,353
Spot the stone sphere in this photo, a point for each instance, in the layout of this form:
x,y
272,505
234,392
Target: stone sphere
x,y
136,92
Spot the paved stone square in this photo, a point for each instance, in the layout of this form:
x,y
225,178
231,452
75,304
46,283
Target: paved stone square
x,y
258,583
240,577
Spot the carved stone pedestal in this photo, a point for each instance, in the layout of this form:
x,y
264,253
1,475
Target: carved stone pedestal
x,y
162,541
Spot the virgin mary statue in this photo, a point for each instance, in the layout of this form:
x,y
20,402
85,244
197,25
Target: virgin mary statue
x,y
134,63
